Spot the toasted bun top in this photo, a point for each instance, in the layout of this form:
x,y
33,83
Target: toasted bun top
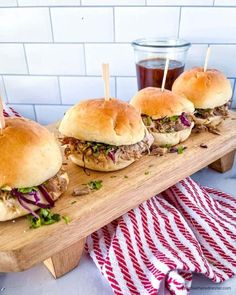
x,y
208,89
157,104
29,154
112,122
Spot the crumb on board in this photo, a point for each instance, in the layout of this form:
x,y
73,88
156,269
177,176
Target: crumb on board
x,y
203,145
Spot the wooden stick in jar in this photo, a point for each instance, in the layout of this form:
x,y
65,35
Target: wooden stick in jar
x,y
2,119
207,58
106,79
165,74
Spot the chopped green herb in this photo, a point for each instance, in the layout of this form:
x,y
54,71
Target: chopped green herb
x,y
146,172
174,118
108,149
95,184
66,219
126,176
27,190
45,218
180,149
73,202
113,176
149,121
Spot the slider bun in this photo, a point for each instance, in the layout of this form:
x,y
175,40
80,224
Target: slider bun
x,y
29,154
208,89
157,104
111,122
12,209
107,166
172,138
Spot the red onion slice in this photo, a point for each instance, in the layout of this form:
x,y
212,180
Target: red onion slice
x,y
111,154
22,203
46,195
184,120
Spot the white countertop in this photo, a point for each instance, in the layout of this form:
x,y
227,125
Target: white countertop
x,y
86,279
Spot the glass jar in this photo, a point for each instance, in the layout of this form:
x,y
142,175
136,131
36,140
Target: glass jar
x,y
150,58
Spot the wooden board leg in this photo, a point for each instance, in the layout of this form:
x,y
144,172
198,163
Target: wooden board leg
x,y
224,164
66,260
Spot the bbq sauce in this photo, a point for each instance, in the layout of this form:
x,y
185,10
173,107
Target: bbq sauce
x,y
150,72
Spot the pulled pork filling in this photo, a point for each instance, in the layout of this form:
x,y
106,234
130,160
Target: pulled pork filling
x,y
208,113
101,152
209,119
168,124
56,184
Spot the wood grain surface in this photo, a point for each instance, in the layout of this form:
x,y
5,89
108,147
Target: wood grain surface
x,y
21,247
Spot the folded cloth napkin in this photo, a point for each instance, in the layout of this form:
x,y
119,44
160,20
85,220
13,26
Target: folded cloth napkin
x,y
185,229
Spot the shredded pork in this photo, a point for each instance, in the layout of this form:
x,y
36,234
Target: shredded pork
x,y
210,119
101,152
54,185
167,124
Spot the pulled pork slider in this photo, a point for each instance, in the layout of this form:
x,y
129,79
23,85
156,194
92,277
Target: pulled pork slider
x,y
30,176
104,135
165,114
210,93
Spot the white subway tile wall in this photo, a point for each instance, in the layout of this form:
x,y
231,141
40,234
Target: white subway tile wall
x,y
32,89
25,25
48,2
55,59
75,89
8,3
51,51
82,24
134,22
12,59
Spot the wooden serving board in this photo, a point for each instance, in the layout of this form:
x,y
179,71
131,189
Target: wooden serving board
x,y
61,244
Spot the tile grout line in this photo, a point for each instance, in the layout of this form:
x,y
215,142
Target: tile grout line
x,y
26,60
77,76
123,6
108,42
114,25
50,16
180,14
85,60
59,89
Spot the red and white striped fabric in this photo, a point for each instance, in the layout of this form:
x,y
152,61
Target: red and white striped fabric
x,y
186,229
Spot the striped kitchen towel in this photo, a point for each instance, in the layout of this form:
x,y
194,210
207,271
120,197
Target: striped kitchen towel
x,y
184,230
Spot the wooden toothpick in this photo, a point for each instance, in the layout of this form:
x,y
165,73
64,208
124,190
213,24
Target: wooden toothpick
x,y
165,74
207,58
106,79
2,119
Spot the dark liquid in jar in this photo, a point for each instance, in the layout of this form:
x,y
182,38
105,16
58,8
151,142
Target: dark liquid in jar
x,y
150,72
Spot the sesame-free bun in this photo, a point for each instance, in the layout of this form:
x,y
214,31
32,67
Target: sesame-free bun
x,y
12,209
153,102
111,122
29,154
206,90
105,166
172,138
